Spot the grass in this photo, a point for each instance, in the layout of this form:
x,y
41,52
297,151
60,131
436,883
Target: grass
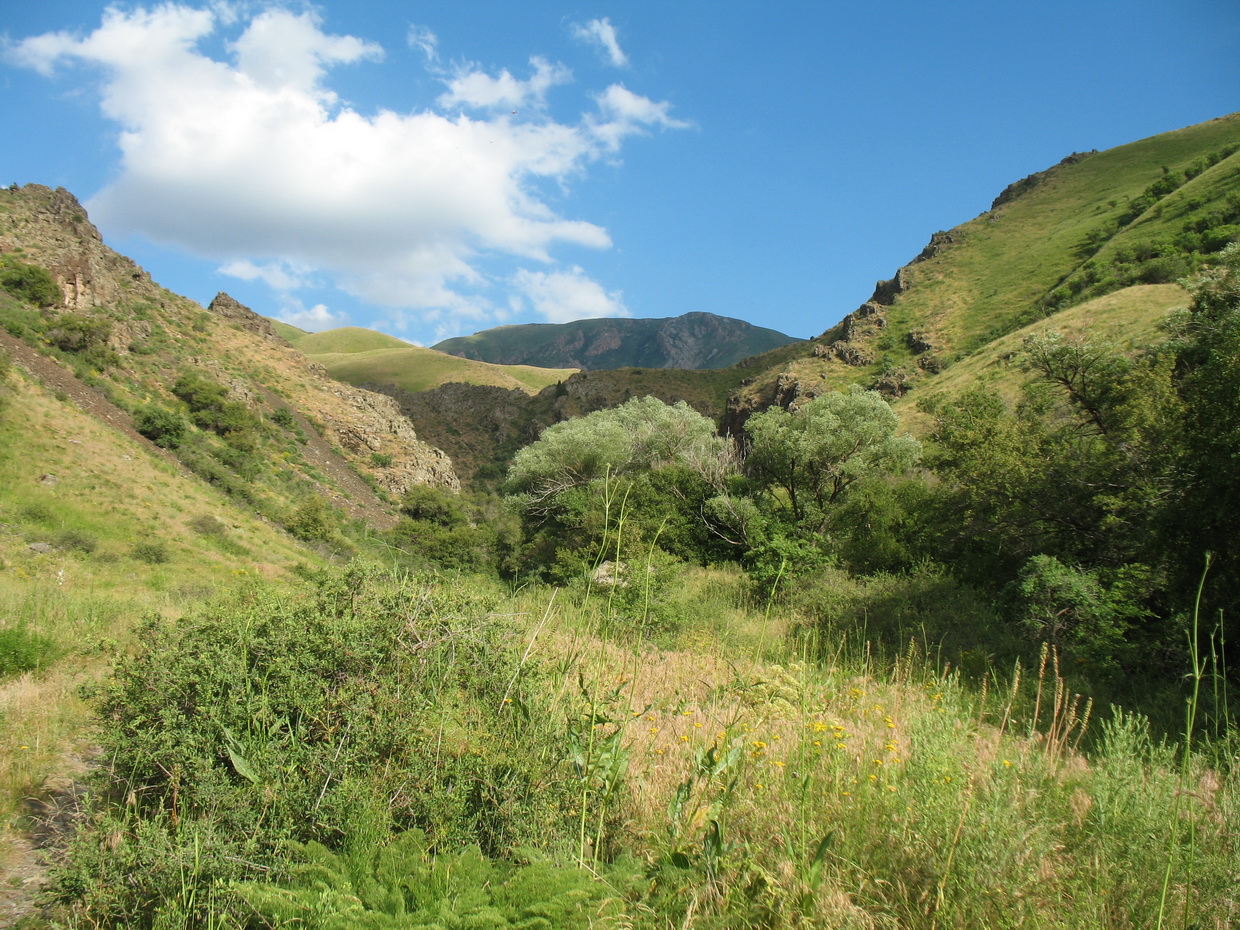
x,y
731,773
414,368
993,278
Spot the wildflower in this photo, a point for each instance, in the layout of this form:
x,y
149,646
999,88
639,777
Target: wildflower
x,y
654,730
697,726
1007,764
777,762
819,726
684,738
817,742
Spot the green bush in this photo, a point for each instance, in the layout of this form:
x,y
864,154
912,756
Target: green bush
x,y
151,552
164,427
32,284
23,650
367,707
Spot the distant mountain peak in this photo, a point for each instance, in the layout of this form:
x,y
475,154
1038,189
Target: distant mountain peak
x,y
693,340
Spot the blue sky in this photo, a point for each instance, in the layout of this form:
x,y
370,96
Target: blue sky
x,y
431,168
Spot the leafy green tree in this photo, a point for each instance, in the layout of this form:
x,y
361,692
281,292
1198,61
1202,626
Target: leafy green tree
x,y
1203,511
162,426
646,467
640,436
813,455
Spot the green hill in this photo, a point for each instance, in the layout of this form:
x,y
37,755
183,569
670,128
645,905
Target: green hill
x,y
347,339
1097,223
413,368
215,716
690,341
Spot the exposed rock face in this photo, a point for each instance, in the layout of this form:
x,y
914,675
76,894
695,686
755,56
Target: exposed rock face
x,y
375,423
54,224
235,312
938,242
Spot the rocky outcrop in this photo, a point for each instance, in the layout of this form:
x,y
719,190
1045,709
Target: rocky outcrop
x,y
52,224
1026,184
237,313
375,424
938,242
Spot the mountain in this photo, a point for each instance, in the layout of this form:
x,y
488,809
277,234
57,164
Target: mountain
x,y
1093,244
1097,224
214,390
362,356
692,341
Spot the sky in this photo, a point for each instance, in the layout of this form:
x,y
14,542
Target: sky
x,y
432,168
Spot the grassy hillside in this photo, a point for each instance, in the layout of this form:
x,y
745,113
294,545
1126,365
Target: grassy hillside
x,y
413,368
347,339
1128,319
288,332
1048,243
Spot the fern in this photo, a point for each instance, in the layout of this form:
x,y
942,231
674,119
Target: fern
x,y
402,886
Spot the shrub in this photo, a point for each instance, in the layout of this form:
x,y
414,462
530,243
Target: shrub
x,y
367,707
33,284
164,427
77,541
151,552
73,332
23,650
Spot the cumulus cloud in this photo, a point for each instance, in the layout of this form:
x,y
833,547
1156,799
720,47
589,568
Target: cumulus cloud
x,y
312,319
276,275
561,297
602,33
251,159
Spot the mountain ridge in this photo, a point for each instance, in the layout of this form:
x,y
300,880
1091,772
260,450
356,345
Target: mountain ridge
x,y
694,340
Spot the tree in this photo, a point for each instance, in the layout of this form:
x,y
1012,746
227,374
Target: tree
x,y
1204,509
642,435
816,453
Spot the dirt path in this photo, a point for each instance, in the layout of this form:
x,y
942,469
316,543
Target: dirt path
x,y
29,845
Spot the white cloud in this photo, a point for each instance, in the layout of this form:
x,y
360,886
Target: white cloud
x,y
312,319
561,297
422,37
276,275
624,113
602,33
252,160
471,87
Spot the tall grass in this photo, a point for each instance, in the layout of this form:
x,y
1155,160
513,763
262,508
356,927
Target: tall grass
x,y
712,771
